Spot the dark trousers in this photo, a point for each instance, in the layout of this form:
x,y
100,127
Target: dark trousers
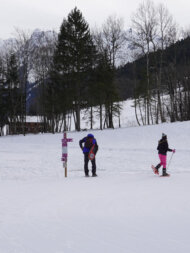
x,y
86,160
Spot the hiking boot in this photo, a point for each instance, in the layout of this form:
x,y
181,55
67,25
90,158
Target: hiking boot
x,y
164,173
94,175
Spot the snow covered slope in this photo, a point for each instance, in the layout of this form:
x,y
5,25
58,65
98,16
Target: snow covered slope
x,y
126,209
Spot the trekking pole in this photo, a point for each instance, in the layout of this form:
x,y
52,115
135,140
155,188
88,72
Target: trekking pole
x,y
170,160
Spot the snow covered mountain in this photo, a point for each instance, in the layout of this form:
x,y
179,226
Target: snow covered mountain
x,y
36,38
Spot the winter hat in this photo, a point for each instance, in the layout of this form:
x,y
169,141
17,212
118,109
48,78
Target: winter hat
x,y
90,135
164,135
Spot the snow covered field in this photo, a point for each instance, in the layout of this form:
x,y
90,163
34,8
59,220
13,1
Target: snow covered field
x,y
126,209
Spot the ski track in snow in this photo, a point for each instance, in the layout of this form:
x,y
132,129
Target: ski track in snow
x,y
127,209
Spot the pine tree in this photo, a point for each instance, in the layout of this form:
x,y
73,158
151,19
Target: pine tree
x,y
106,92
14,93
4,101
74,60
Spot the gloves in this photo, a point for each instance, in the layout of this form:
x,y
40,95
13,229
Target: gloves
x,y
173,150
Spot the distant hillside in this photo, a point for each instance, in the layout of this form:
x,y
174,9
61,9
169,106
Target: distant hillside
x,y
175,56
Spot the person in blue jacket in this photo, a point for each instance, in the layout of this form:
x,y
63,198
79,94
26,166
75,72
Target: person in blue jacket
x,y
86,144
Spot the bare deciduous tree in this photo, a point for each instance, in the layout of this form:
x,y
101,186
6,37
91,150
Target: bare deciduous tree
x,y
42,59
114,38
144,24
22,47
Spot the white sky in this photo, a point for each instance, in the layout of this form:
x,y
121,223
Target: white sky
x,y
48,14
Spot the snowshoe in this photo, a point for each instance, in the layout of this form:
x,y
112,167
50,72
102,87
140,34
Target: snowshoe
x,y
155,170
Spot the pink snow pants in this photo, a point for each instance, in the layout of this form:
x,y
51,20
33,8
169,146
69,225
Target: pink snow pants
x,y
162,160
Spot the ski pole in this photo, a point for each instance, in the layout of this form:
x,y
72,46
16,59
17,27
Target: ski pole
x,y
170,160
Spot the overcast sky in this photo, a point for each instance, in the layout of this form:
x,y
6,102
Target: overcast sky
x,y
48,14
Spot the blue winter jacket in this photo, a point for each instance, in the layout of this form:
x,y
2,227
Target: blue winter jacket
x,y
88,141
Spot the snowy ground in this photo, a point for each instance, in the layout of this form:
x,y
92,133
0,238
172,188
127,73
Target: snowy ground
x,y
126,209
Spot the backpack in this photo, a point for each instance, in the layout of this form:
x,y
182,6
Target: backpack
x,y
88,142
